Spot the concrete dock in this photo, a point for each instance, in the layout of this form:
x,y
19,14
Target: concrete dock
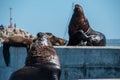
x,y
78,63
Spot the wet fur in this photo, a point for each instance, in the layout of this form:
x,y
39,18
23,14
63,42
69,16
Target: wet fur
x,y
81,33
42,62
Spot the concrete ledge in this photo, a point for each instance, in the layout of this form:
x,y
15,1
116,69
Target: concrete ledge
x,y
89,62
89,47
79,63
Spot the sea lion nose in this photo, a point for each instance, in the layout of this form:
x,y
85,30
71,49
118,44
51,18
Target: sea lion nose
x,y
77,6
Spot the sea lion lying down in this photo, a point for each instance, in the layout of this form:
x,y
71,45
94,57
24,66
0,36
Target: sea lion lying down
x,y
42,62
16,41
19,41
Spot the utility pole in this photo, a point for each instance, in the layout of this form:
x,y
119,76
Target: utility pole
x,y
10,26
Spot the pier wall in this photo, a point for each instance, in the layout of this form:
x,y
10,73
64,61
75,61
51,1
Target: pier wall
x,y
77,62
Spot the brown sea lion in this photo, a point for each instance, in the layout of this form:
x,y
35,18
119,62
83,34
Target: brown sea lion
x,y
15,41
42,62
56,41
80,32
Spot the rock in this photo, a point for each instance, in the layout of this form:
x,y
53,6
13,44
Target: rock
x,y
8,32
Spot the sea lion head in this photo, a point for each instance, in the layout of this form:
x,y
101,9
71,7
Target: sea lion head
x,y
80,18
43,39
78,8
41,50
56,41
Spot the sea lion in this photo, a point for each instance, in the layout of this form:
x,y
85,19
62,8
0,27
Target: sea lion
x,y
80,32
56,41
42,62
16,41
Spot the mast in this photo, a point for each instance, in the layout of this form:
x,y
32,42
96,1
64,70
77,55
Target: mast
x,y
10,26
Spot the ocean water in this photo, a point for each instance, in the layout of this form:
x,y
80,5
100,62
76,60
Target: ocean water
x,y
113,42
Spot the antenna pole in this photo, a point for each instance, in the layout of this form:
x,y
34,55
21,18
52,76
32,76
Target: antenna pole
x,y
11,17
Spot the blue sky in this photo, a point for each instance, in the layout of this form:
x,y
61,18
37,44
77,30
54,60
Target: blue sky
x,y
54,15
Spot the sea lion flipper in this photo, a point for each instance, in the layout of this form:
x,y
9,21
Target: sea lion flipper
x,y
6,54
